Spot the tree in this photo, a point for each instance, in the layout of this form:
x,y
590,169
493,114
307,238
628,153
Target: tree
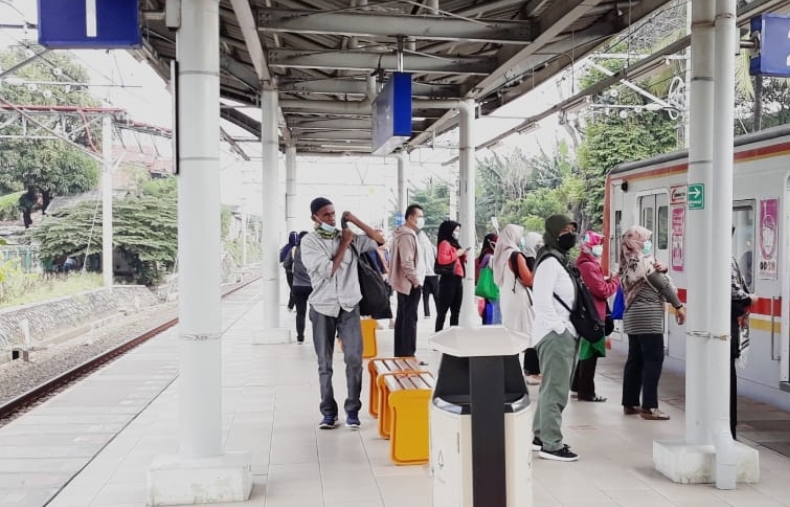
x,y
44,169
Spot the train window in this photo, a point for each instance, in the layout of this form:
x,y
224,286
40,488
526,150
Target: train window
x,y
647,218
743,241
663,228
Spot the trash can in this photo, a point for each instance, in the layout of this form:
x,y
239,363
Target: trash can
x,y
480,420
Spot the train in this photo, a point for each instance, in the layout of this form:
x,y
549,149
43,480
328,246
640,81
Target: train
x,y
655,193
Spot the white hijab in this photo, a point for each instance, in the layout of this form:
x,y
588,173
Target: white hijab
x,y
509,242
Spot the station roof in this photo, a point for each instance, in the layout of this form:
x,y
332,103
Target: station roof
x,y
320,56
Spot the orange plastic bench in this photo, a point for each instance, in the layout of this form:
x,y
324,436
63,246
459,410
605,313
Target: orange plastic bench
x,y
404,415
369,342
383,365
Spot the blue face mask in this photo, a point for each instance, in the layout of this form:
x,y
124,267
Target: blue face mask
x,y
647,247
327,227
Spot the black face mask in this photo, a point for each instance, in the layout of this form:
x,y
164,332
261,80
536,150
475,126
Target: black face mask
x,y
568,240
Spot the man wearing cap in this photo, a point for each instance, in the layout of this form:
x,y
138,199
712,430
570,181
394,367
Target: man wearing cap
x,y
330,257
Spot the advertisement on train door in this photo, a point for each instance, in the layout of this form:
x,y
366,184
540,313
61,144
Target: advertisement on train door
x,y
769,212
678,231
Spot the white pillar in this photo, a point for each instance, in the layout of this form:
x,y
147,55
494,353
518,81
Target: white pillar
x,y
452,189
271,241
106,205
200,473
403,163
698,248
433,7
466,158
290,189
244,226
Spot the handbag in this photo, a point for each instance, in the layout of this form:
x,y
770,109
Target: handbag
x,y
486,287
618,308
375,296
444,269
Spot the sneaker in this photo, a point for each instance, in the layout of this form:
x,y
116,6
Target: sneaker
x,y
537,444
352,420
564,454
328,422
534,380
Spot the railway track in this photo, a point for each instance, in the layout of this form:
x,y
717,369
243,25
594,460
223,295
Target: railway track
x,y
55,384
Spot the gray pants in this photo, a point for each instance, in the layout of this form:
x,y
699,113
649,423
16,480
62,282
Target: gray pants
x,y
557,354
324,331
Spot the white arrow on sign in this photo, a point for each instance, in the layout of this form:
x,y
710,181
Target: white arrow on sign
x,y
91,20
695,192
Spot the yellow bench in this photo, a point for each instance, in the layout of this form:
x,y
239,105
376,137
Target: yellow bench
x,y
369,344
404,415
384,365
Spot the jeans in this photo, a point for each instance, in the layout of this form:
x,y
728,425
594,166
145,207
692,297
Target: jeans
x,y
451,295
325,329
643,370
289,277
735,352
301,295
557,354
430,287
406,323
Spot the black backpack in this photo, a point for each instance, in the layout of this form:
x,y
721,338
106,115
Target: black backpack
x,y
375,296
584,315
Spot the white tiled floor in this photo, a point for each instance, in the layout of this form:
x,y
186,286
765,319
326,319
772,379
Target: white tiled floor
x,y
271,409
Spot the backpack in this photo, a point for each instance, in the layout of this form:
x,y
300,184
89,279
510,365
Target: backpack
x,y
375,296
584,316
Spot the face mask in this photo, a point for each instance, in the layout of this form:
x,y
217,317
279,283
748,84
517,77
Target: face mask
x,y
522,244
421,223
456,235
568,240
648,247
597,250
327,227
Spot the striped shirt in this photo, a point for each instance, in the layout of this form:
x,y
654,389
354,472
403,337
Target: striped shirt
x,y
645,315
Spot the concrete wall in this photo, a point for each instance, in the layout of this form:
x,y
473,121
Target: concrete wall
x,y
55,319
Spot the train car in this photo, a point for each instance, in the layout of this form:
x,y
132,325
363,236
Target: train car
x,y
653,193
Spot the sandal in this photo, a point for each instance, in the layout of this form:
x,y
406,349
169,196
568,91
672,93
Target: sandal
x,y
595,398
632,410
654,414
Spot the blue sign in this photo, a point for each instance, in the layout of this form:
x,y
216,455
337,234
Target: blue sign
x,y
399,219
771,57
392,114
88,24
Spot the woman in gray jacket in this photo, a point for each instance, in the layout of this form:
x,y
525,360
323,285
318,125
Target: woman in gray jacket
x,y
646,287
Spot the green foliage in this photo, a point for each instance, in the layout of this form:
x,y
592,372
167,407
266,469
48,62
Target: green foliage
x,y
9,206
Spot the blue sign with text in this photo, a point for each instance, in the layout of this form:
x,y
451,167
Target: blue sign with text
x,y
771,57
88,24
392,114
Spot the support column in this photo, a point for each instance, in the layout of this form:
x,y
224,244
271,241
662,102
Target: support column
x,y
270,237
244,227
403,162
708,453
200,473
290,189
466,158
106,205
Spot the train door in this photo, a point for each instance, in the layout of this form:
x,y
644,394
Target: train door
x,y
654,215
784,270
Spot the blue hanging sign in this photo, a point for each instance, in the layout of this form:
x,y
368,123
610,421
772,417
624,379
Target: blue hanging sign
x,y
771,57
88,24
391,114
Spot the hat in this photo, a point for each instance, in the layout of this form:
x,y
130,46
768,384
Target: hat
x,y
318,203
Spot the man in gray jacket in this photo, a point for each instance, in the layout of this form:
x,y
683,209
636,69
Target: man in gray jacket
x,y
407,274
331,257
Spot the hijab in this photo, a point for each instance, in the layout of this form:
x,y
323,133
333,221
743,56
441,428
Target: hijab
x,y
635,266
532,243
489,243
446,233
509,240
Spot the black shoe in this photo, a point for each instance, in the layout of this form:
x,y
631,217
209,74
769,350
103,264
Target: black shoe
x,y
564,454
537,444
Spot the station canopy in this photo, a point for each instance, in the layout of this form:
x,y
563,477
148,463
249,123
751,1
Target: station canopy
x,y
320,56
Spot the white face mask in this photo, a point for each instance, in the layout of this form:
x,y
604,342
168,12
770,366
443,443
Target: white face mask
x,y
597,250
421,223
647,247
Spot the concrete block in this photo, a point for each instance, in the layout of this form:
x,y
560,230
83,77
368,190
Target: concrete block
x,y
696,464
175,481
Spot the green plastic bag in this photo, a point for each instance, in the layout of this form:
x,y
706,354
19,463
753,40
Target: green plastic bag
x,y
486,288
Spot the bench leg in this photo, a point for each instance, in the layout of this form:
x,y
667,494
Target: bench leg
x,y
373,394
409,434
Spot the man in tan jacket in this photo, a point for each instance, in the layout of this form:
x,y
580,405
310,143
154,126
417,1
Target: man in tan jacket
x,y
407,273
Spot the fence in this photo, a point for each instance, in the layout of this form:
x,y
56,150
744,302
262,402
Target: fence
x,y
29,261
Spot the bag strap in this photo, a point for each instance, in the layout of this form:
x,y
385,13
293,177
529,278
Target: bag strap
x,y
562,303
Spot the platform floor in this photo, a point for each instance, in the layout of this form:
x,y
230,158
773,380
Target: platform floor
x,y
91,445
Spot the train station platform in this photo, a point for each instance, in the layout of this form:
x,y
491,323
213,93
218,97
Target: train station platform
x,y
91,445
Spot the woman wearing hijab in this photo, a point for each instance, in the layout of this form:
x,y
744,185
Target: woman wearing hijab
x,y
452,258
646,287
532,243
554,336
491,311
601,289
513,276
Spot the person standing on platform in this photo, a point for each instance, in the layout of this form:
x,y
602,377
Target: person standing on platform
x,y
331,259
741,300
407,274
451,266
430,286
301,289
287,260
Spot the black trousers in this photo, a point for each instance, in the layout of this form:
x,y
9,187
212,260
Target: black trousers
x,y
289,277
584,378
643,370
531,363
735,352
406,323
451,295
430,288
300,295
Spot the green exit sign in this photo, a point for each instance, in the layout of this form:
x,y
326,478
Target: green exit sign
x,y
696,196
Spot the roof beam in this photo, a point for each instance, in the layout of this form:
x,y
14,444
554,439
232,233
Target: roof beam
x,y
364,60
343,125
358,87
334,135
239,71
394,25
